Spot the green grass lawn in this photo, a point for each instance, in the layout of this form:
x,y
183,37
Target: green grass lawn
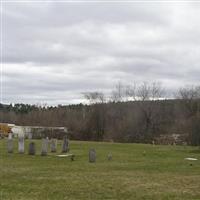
x,y
160,174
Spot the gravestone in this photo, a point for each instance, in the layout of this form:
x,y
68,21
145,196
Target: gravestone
x,y
65,147
109,157
53,145
10,145
31,150
92,155
30,135
21,144
44,147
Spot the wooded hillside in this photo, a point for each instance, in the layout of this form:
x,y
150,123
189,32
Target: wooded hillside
x,y
138,120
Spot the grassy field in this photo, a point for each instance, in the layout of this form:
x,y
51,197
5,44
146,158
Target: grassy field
x,y
160,174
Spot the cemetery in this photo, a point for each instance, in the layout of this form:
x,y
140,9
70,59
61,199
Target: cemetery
x,y
51,168
99,100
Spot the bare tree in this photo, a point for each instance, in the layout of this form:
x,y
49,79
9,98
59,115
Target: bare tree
x,y
97,119
190,110
150,91
189,92
95,97
117,94
147,94
190,96
130,91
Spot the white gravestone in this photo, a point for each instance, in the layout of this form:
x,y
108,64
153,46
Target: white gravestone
x,y
44,147
21,144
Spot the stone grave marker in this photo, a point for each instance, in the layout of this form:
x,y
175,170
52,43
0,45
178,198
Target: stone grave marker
x,y
21,144
30,136
65,146
44,150
92,155
32,149
53,145
109,157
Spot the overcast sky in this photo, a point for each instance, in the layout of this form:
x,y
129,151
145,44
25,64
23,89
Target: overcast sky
x,y
52,52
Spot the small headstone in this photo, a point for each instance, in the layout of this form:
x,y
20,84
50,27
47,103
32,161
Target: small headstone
x,y
153,143
31,150
92,155
109,157
10,145
144,153
44,147
21,144
53,145
65,147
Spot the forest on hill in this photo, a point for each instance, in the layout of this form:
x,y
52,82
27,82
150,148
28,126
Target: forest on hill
x,y
143,116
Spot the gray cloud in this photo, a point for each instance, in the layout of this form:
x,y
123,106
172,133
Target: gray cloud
x,y
54,51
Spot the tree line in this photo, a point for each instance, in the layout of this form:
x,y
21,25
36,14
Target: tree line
x,y
132,113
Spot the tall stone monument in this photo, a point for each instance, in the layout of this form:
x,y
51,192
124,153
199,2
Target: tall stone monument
x,y
21,144
65,146
44,150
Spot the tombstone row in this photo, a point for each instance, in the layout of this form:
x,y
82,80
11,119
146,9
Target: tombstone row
x,y
44,149
32,146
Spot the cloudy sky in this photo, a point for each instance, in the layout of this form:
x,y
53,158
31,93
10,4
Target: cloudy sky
x,y
52,52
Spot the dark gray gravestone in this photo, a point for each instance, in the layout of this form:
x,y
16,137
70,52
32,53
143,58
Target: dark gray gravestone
x,y
92,155
21,144
44,147
53,145
65,146
31,150
10,145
